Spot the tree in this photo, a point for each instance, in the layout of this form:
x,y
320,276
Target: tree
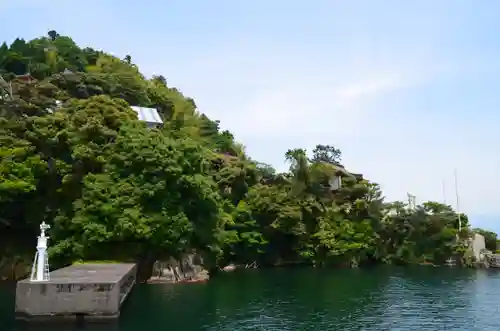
x,y
326,153
53,35
160,79
74,154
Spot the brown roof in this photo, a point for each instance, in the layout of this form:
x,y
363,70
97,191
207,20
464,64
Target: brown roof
x,y
340,169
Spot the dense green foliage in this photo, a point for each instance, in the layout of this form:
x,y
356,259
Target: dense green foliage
x,y
114,189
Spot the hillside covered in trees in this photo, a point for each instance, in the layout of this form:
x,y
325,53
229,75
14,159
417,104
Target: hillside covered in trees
x,y
74,154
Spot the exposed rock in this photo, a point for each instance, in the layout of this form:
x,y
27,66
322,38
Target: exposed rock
x,y
187,269
228,268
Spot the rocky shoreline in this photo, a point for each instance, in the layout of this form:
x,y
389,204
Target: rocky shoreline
x,y
187,269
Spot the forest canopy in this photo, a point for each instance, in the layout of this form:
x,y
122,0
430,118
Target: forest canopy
x,y
75,155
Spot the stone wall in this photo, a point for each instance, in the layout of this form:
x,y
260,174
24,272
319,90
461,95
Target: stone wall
x,y
70,296
34,299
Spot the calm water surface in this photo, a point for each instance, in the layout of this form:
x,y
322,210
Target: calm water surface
x,y
303,300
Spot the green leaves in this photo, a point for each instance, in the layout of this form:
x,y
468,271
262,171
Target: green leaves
x,y
74,154
18,168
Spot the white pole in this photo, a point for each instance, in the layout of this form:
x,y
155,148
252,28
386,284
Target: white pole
x,y
458,201
444,191
40,257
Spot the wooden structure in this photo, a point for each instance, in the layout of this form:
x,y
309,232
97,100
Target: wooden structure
x,y
339,174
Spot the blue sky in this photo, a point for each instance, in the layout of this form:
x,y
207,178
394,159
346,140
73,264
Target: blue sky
x,y
407,90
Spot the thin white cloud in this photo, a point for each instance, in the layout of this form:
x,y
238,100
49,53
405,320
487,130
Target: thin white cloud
x,y
352,80
367,88
292,95
272,104
308,109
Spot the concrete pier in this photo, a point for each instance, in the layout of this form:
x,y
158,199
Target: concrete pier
x,y
92,292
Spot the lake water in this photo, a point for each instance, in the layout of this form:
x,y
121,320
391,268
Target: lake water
x,y
305,299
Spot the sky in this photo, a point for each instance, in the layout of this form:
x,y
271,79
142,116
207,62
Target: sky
x,y
409,91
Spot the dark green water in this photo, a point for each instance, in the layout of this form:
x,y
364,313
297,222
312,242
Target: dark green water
x,y
302,300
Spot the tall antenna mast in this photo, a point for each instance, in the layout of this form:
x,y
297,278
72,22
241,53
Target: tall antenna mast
x,y
443,187
458,201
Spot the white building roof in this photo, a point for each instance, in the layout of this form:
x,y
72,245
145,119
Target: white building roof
x,y
148,115
58,105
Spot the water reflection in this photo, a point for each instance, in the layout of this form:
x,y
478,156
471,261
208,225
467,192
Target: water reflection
x,y
432,299
373,300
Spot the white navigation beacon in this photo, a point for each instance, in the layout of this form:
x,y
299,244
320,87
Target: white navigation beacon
x,y
40,269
